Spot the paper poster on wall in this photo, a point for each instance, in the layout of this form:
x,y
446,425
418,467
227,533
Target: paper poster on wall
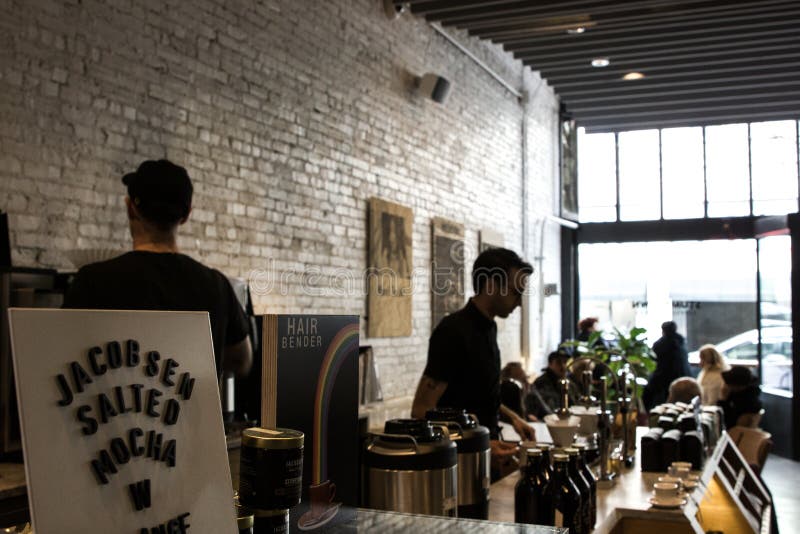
x,y
310,384
120,411
447,268
390,268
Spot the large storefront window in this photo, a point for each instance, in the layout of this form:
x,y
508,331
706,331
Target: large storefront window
x,y
639,181
707,287
774,162
597,177
728,170
682,172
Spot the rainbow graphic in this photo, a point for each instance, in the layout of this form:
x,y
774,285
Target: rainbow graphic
x,y
343,345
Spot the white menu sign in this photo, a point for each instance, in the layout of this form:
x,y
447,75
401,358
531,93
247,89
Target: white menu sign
x,y
121,422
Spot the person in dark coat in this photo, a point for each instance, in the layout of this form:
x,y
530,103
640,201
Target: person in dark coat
x,y
740,394
672,362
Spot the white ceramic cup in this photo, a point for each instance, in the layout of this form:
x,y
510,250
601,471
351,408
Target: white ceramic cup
x,y
665,490
687,465
678,471
669,479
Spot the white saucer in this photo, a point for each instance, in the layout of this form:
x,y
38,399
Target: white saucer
x,y
672,502
309,522
689,486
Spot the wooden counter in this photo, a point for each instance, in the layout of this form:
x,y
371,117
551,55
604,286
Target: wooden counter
x,y
12,481
630,493
13,495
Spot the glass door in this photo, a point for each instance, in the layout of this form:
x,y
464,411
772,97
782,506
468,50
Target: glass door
x,y
776,340
775,307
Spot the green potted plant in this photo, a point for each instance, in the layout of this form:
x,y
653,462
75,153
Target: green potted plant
x,y
629,349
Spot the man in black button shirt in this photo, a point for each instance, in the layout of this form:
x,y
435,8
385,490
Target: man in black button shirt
x,y
463,369
155,276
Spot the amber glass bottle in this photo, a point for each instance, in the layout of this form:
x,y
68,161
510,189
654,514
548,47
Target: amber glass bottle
x,y
529,489
564,497
584,488
587,473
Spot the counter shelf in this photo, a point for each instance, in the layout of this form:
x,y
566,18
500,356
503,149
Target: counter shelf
x,y
730,498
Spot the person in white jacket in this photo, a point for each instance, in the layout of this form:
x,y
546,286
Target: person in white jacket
x,y
710,377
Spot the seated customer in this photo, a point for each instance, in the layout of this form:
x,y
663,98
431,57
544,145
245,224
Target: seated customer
x,y
513,388
739,394
684,389
710,377
545,395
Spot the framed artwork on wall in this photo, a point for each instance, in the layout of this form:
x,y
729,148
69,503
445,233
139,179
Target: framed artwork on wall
x,y
389,269
447,268
568,143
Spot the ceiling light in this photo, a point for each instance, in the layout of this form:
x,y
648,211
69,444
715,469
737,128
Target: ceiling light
x,y
600,62
633,76
576,31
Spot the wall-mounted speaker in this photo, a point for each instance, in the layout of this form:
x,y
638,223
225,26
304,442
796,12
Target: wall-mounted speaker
x,y
433,86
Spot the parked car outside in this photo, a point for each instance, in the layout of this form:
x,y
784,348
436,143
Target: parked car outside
x,y
742,349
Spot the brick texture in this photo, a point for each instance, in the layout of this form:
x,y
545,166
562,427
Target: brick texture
x,y
289,116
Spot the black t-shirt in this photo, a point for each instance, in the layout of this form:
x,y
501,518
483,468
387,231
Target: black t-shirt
x,y
463,352
142,280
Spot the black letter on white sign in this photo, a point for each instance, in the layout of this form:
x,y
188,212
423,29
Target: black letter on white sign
x,y
140,494
66,392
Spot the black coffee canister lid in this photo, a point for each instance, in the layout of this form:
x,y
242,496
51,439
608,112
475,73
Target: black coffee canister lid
x,y
428,448
272,438
420,429
469,436
451,415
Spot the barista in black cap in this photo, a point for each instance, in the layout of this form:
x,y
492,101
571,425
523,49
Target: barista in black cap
x,y
739,394
155,276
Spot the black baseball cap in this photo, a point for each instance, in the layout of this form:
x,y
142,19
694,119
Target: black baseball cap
x,y
557,355
161,190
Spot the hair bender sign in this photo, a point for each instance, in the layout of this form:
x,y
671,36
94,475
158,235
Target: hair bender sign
x,y
121,422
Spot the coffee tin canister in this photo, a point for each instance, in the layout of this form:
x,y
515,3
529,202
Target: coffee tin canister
x,y
271,468
271,522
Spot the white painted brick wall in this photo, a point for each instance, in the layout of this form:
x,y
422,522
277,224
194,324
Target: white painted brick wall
x,y
289,116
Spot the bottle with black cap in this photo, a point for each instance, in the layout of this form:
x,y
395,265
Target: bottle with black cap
x,y
583,486
590,478
529,489
565,506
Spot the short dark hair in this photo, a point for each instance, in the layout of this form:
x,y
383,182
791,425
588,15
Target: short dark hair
x,y
669,327
557,354
161,191
496,263
587,323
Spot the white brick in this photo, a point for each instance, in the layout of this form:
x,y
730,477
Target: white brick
x,y
287,125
